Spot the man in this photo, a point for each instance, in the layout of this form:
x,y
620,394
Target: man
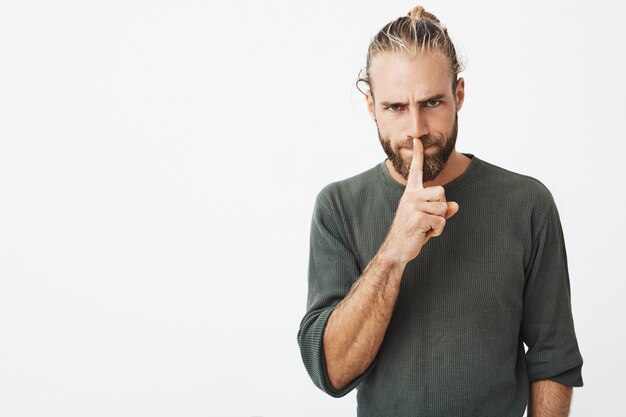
x,y
430,271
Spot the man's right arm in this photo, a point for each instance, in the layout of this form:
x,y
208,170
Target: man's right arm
x,y
356,327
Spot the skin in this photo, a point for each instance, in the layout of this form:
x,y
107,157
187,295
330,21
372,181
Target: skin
x,y
549,399
407,118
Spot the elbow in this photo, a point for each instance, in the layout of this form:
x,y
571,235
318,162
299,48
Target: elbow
x,y
337,382
341,371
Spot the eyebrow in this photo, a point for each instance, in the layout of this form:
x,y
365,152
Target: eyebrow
x,y
427,99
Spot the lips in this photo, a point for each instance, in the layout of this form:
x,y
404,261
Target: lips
x,y
409,145
410,148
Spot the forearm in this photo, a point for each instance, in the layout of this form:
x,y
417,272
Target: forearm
x,y
549,399
356,328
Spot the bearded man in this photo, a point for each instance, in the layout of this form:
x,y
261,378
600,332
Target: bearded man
x,y
430,272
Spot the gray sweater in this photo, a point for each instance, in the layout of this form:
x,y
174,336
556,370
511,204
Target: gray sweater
x,y
496,279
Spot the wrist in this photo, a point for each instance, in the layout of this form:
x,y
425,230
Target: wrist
x,y
389,254
391,260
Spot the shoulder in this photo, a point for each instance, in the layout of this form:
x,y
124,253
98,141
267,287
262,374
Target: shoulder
x,y
524,201
516,188
349,191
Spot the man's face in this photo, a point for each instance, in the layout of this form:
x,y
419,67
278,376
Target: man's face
x,y
413,98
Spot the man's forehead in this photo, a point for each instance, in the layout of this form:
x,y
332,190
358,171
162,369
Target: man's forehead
x,y
416,75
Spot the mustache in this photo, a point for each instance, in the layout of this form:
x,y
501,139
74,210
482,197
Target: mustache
x,y
426,141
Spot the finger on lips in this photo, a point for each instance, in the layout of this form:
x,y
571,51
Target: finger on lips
x,y
417,165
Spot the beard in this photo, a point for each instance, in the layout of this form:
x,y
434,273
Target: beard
x,y
433,164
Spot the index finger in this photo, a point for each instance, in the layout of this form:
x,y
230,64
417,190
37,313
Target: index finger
x,y
416,171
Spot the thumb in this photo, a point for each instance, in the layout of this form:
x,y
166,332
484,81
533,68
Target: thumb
x,y
453,208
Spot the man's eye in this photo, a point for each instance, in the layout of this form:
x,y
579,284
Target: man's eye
x,y
434,101
394,107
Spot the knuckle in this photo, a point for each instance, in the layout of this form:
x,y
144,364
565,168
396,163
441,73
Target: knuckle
x,y
440,224
423,220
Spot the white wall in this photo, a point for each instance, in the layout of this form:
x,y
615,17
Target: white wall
x,y
159,162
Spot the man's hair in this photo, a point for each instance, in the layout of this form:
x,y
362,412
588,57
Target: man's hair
x,y
417,32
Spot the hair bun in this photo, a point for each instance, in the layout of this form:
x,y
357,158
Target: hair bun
x,y
418,12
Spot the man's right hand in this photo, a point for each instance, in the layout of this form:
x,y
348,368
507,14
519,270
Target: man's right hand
x,y
421,214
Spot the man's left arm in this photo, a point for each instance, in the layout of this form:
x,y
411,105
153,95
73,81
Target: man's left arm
x,y
553,359
549,399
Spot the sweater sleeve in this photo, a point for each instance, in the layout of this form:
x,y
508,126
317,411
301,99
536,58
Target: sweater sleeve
x,y
547,323
333,269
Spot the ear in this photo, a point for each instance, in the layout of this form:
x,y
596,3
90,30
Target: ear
x,y
460,93
369,97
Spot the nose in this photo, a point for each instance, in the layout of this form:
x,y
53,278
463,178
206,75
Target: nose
x,y
417,124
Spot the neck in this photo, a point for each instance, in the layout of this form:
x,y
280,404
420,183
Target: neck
x,y
455,167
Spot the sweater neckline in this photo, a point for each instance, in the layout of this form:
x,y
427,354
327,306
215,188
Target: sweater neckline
x,y
452,186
